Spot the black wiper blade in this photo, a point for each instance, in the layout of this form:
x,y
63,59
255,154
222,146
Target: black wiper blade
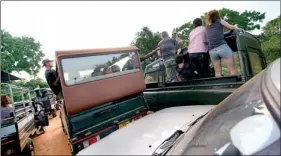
x,y
167,144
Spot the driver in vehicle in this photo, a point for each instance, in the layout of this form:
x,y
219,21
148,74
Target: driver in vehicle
x,y
6,110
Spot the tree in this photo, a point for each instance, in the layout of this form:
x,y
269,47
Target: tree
x,y
32,84
246,20
146,40
20,54
270,39
184,31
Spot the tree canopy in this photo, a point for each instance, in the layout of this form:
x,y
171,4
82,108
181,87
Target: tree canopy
x,y
270,39
146,40
32,84
247,20
20,53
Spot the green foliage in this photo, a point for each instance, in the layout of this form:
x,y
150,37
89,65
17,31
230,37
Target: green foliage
x,y
271,48
184,31
270,39
146,40
20,53
272,28
246,20
32,84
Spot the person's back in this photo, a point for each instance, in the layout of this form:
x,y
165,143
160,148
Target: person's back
x,y
218,48
6,110
198,48
168,48
51,76
215,35
198,40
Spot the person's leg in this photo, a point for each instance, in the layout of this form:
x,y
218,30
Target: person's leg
x,y
171,72
207,65
168,70
217,67
227,56
229,61
200,63
175,73
216,62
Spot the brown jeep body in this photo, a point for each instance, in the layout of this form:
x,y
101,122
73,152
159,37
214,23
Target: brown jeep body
x,y
83,96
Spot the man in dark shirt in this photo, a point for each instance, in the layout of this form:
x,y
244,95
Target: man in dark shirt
x,y
185,68
167,50
52,77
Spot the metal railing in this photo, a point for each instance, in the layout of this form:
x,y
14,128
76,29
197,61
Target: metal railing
x,y
21,106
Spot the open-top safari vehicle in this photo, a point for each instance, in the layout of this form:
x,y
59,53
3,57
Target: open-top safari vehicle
x,y
23,123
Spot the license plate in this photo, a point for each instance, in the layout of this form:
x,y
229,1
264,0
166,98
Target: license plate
x,y
123,124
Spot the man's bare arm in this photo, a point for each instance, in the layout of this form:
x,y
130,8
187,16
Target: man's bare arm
x,y
57,81
153,52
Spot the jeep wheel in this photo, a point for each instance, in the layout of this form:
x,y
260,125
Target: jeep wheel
x,y
29,149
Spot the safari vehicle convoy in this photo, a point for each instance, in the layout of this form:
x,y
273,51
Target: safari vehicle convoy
x,y
26,120
105,89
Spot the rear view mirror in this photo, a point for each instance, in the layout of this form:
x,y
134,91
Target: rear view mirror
x,y
254,133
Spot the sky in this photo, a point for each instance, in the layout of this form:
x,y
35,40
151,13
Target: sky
x,y
66,25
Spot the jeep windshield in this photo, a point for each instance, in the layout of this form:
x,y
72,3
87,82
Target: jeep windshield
x,y
82,69
214,135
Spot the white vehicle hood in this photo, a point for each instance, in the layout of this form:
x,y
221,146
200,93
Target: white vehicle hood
x,y
142,137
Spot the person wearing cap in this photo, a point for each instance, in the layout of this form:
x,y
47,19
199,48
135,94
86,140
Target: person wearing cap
x,y
52,77
167,50
198,48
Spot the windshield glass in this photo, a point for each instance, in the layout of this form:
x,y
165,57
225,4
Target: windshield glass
x,y
79,70
214,132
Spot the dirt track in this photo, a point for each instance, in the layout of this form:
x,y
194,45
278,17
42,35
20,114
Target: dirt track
x,y
53,141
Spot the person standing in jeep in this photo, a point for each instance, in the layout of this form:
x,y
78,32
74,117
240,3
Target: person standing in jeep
x,y
198,48
52,77
167,50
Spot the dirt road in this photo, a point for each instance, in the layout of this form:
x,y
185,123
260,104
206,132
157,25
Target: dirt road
x,y
53,141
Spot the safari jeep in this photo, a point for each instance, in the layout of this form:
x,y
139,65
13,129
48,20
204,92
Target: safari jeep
x,y
102,90
249,60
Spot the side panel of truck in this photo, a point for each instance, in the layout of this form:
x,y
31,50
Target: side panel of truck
x,y
208,91
105,119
